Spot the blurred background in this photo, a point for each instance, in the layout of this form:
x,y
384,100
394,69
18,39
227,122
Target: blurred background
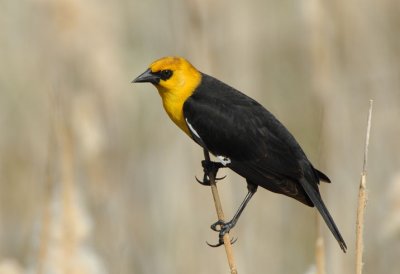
x,y
94,178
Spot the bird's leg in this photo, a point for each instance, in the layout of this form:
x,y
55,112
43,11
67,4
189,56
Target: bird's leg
x,y
224,227
210,167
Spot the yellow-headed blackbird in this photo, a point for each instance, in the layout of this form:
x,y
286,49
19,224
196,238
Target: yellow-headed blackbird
x,y
240,132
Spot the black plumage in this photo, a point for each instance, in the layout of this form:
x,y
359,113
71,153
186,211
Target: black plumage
x,y
230,124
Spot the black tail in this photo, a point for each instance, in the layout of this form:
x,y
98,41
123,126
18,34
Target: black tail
x,y
317,201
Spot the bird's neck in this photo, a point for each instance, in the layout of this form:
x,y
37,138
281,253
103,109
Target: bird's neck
x,y
174,98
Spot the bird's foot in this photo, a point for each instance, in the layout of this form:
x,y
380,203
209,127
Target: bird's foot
x,y
210,168
223,228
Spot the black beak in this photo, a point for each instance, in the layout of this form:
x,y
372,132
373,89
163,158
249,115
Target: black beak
x,y
147,76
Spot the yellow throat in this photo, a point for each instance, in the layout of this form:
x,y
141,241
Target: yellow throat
x,y
177,89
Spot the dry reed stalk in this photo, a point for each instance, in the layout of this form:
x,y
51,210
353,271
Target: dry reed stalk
x,y
362,200
220,214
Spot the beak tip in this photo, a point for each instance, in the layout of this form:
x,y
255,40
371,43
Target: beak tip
x,y
147,77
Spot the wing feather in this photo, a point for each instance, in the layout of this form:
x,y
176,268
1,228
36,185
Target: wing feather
x,y
234,125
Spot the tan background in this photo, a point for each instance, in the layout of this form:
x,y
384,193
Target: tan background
x,y
94,178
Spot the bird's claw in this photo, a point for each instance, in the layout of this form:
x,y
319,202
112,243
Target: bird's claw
x,y
210,167
220,178
223,228
215,245
206,180
219,223
221,242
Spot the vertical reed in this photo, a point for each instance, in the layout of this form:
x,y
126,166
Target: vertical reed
x,y
362,200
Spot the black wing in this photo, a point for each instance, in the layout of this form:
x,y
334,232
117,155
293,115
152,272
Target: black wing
x,y
260,148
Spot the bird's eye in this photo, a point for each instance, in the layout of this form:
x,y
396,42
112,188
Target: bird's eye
x,y
165,74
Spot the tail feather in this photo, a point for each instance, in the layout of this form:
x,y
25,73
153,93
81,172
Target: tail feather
x,y
316,199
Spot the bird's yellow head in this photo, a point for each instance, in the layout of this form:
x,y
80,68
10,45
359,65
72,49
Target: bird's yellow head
x,y
176,79
171,76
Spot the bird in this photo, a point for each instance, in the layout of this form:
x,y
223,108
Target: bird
x,y
242,134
